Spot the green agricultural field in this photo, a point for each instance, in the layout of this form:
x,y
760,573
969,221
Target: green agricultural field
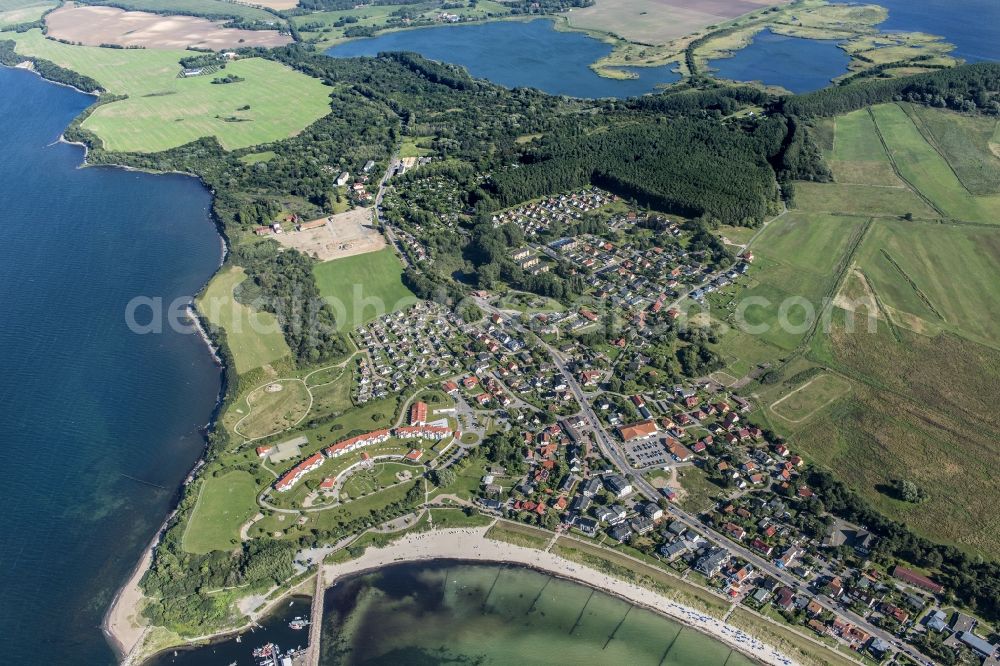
x,y
163,111
321,26
968,142
254,337
13,12
851,199
936,277
857,155
223,505
926,170
206,8
363,287
799,258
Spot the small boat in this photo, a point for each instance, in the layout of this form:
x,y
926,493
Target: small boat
x,y
267,655
298,623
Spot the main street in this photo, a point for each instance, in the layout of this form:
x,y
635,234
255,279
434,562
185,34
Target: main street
x,y
612,452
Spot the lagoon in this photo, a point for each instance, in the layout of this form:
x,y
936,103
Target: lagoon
x,y
517,54
453,612
796,64
99,426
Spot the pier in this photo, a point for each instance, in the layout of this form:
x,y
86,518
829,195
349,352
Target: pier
x,y
316,620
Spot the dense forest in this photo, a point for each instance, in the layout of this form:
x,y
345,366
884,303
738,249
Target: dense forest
x,y
688,166
283,284
964,88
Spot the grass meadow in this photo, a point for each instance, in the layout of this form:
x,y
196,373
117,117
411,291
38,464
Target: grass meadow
x,y
857,155
936,277
926,170
163,111
966,141
363,287
810,397
254,337
225,503
915,398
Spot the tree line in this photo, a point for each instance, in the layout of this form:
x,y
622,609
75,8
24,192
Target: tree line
x,y
973,582
965,88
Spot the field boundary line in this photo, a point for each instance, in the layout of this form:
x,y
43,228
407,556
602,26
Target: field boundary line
x,y
932,141
895,167
913,285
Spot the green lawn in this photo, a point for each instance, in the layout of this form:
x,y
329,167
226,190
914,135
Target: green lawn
x,y
163,111
363,287
412,146
928,171
254,337
520,535
444,518
224,504
273,411
257,158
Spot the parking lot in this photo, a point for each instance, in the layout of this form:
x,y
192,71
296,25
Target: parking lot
x,y
647,453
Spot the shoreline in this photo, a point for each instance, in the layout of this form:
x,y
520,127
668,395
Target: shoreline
x,y
471,545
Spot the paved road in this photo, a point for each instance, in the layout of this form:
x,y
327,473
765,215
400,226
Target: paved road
x,y
390,233
613,453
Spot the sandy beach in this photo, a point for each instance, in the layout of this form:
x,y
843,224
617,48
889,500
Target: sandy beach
x,y
471,544
123,625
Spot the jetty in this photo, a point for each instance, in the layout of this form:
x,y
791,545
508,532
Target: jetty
x,y
316,620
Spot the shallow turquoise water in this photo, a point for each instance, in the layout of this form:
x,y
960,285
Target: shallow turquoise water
x,y
448,612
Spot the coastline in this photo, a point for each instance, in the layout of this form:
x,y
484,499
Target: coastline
x,y
471,545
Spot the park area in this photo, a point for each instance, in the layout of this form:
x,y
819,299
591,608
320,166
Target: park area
x,y
164,110
272,408
224,504
363,287
254,337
